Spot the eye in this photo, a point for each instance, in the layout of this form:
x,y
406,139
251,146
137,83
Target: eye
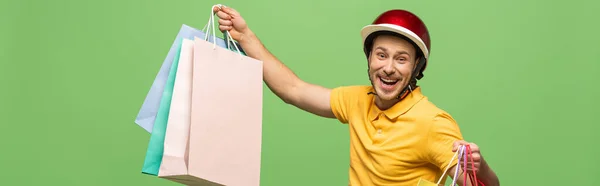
x,y
381,55
402,60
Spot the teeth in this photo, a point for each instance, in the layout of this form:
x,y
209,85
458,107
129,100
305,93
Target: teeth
x,y
388,80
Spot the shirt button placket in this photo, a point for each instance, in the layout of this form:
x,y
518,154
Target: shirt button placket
x,y
378,135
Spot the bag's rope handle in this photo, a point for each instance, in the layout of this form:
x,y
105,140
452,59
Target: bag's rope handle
x,y
475,180
211,23
233,42
206,28
466,160
462,150
472,166
230,39
448,167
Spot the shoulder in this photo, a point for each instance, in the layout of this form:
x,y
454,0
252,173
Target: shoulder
x,y
427,109
351,92
441,126
344,100
432,115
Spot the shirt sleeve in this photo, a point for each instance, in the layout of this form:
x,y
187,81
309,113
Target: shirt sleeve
x,y
340,101
443,133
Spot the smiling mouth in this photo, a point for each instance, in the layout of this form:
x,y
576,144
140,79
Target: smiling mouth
x,y
388,81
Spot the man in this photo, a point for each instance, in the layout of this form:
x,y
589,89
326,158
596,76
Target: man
x,y
397,136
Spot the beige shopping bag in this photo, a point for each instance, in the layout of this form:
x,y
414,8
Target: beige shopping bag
x,y
174,159
223,111
225,134
226,122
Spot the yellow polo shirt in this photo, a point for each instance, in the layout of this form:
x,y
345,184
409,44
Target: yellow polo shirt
x,y
398,146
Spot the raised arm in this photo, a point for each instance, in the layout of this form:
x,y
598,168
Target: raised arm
x,y
281,80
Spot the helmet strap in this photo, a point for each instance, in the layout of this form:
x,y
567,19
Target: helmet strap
x,y
413,78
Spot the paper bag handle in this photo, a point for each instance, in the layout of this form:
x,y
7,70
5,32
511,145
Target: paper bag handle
x,y
448,167
231,41
477,181
473,176
211,23
465,152
461,150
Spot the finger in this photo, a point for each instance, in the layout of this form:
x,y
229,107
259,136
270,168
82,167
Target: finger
x,y
460,142
457,144
225,22
471,165
223,15
216,9
476,157
474,168
230,11
224,28
474,147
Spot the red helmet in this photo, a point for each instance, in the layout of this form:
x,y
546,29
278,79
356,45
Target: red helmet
x,y
404,23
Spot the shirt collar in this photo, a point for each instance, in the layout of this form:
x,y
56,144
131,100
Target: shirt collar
x,y
399,108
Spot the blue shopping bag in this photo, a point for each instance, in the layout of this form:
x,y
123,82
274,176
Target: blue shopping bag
x,y
147,114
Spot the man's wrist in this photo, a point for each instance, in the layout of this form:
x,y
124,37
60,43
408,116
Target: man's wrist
x,y
487,175
484,169
247,37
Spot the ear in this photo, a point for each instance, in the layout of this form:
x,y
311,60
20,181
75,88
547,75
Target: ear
x,y
417,60
369,58
419,73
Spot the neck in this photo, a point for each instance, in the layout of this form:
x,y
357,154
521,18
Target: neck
x,y
385,104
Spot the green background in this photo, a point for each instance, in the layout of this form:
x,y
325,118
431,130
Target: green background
x,y
519,76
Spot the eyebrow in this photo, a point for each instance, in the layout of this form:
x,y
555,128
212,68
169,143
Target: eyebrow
x,y
399,52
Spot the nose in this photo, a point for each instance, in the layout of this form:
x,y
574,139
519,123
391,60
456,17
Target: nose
x,y
389,69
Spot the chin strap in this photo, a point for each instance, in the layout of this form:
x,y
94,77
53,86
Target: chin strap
x,y
415,76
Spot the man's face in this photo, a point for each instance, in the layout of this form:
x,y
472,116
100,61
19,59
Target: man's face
x,y
391,63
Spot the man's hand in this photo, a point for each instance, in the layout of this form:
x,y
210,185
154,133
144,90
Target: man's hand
x,y
474,160
230,20
477,164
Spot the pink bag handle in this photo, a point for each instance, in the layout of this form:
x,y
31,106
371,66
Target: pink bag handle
x,y
466,159
473,176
